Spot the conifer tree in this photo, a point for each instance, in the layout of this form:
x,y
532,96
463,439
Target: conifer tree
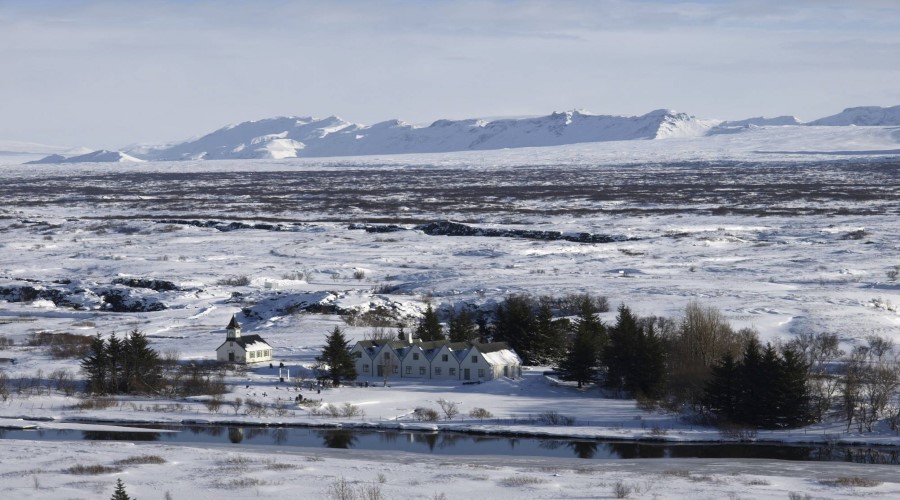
x,y
551,335
723,392
515,325
115,351
462,328
336,358
142,363
95,365
792,390
621,354
580,363
429,327
119,493
650,369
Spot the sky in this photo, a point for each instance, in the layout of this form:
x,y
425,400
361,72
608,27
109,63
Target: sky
x,y
107,73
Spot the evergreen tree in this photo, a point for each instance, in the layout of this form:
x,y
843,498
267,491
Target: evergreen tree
x,y
752,384
769,404
650,372
95,365
551,335
515,325
723,391
462,328
119,493
621,354
115,351
143,366
336,358
429,328
580,363
792,390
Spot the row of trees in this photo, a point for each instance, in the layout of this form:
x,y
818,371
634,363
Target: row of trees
x,y
126,365
763,388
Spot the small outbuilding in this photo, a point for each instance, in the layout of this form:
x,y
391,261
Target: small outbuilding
x,y
243,349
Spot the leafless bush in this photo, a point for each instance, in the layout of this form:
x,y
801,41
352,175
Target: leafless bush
x,y
852,482
737,432
242,280
214,404
255,408
555,418
347,410
359,274
449,408
62,345
893,273
621,490
798,496
6,341
96,403
423,414
480,413
236,404
340,489
141,460
91,469
520,481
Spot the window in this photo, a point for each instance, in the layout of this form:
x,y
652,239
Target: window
x,y
481,373
365,368
396,368
437,370
415,356
387,355
252,354
474,359
408,370
444,357
357,354
452,371
421,370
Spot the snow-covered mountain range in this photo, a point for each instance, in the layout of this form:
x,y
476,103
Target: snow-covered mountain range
x,y
290,137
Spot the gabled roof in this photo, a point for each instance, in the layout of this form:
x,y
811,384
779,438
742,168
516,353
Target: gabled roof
x,y
247,341
491,347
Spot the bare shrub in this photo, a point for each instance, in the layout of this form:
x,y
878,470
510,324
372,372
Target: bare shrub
x,y
242,280
346,410
91,469
677,473
480,413
621,490
852,482
449,408
62,345
340,489
359,275
737,432
236,404
141,460
423,414
97,403
255,408
520,481
555,418
213,404
798,496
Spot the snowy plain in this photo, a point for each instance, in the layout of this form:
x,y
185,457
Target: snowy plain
x,y
784,229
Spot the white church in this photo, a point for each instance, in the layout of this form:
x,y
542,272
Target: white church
x,y
242,349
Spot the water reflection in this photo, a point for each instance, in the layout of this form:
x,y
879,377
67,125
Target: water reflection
x,y
339,439
450,443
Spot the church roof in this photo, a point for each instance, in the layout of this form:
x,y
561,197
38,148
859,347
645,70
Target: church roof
x,y
248,341
233,324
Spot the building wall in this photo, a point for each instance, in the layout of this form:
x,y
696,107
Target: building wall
x,y
441,369
415,368
479,368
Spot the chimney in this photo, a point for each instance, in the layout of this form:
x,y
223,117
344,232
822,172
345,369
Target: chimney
x,y
409,339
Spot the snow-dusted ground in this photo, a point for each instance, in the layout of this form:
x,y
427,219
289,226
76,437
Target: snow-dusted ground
x,y
780,242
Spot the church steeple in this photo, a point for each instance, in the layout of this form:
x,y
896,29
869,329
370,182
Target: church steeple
x,y
233,330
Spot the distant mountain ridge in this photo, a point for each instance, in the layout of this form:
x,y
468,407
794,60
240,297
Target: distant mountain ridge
x,y
290,137
101,156
287,137
864,116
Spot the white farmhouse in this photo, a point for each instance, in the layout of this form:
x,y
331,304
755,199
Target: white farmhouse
x,y
442,360
242,349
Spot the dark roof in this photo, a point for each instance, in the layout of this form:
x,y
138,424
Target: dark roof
x,y
233,324
491,347
243,340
